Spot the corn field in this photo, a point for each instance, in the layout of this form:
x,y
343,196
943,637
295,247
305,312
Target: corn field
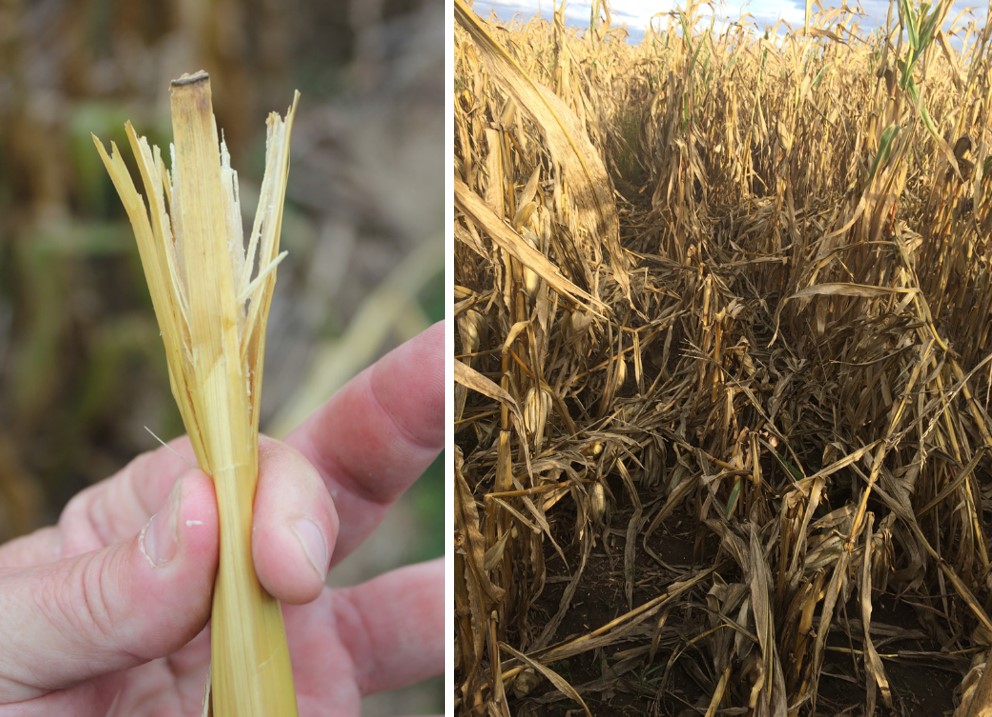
x,y
723,366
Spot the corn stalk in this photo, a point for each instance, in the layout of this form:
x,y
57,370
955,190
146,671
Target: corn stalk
x,y
212,305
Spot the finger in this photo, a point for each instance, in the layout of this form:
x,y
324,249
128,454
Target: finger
x,y
114,608
95,698
41,546
106,513
378,434
295,525
393,626
115,509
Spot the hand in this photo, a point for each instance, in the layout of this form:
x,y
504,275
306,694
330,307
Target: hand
x,y
105,613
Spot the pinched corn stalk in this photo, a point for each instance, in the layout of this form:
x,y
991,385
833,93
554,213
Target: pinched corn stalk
x,y
212,304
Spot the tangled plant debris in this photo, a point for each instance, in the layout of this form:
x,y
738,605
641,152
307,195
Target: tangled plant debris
x,y
723,366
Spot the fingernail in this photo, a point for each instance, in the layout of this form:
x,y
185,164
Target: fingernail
x,y
314,545
160,537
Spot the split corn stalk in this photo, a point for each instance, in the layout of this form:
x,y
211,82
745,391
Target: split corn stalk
x,y
212,303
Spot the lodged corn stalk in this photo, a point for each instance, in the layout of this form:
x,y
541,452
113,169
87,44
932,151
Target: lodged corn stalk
x,y
211,298
727,288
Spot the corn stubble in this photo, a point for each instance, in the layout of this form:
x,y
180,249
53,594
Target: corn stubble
x,y
733,289
211,298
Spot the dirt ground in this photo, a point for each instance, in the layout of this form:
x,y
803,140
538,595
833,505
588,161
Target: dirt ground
x,y
677,682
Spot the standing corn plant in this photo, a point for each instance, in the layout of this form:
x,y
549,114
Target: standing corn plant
x,y
212,303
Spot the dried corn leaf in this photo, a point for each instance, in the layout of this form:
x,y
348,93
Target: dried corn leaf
x,y
474,207
553,677
582,168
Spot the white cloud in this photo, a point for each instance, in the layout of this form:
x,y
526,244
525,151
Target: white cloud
x,y
637,14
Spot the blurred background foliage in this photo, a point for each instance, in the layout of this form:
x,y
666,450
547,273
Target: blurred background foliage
x,y
82,371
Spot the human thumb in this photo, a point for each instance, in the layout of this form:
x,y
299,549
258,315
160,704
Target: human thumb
x,y
113,608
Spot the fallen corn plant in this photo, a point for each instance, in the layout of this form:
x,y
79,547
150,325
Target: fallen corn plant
x,y
771,387
212,303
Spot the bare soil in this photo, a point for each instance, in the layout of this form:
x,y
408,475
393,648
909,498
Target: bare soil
x,y
677,681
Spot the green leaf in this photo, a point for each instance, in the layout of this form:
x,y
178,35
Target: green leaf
x,y
889,135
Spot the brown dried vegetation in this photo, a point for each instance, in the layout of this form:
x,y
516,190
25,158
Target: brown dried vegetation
x,y
723,367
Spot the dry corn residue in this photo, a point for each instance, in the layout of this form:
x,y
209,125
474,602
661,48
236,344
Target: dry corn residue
x,y
723,301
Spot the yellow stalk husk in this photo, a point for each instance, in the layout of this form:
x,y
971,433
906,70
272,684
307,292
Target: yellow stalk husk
x,y
212,304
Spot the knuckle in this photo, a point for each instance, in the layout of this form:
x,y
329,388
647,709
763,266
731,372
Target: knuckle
x,y
77,602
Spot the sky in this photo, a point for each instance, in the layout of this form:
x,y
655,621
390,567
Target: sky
x,y
636,14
